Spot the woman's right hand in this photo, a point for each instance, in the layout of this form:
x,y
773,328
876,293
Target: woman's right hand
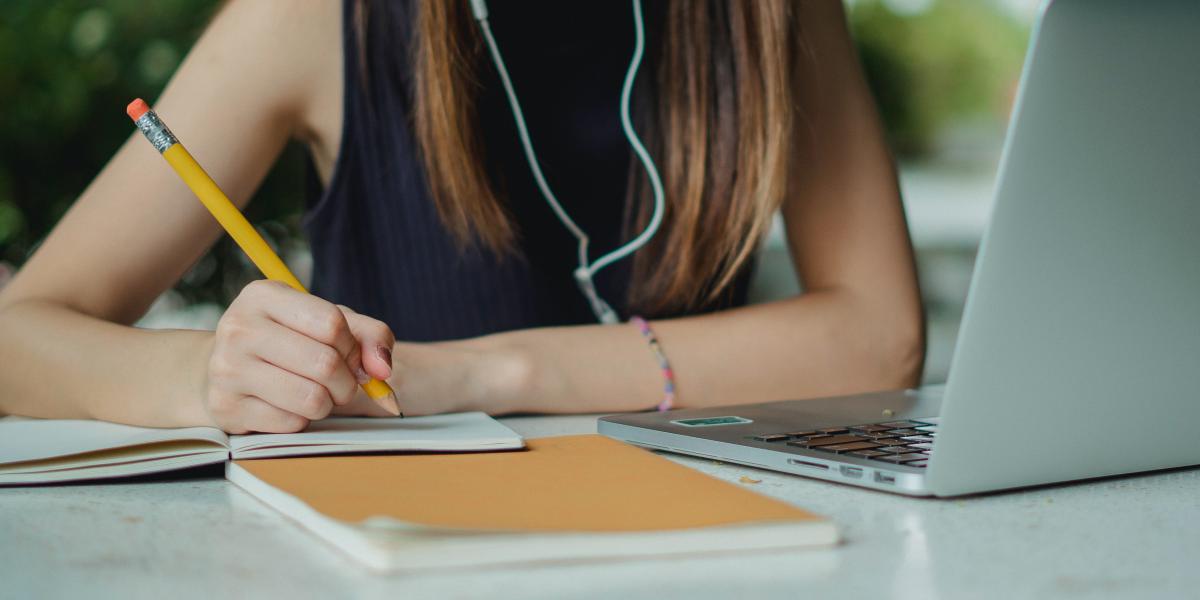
x,y
281,358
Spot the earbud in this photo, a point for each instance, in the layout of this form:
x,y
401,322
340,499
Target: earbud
x,y
604,313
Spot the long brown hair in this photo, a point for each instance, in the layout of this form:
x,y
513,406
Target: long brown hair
x,y
719,128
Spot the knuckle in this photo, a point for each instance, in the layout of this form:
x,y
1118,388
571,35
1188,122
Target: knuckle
x,y
315,401
327,362
232,329
284,423
381,330
258,287
235,426
220,367
345,393
331,324
293,424
247,296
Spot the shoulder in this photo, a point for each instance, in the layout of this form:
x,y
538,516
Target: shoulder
x,y
282,55
291,51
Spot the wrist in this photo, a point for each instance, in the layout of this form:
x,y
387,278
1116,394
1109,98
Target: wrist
x,y
192,412
502,375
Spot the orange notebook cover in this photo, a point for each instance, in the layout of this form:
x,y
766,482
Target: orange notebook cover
x,y
572,497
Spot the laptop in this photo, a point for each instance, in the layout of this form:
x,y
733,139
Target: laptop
x,y
1079,351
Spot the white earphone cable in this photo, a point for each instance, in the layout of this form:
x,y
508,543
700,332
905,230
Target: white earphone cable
x,y
644,156
585,272
527,144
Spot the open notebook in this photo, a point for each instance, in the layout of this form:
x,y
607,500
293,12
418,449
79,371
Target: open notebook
x,y
568,498
46,451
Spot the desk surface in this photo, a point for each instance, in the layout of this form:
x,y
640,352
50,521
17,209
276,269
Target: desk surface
x,y
201,537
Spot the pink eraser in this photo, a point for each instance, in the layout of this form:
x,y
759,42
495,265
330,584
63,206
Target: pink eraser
x,y
137,108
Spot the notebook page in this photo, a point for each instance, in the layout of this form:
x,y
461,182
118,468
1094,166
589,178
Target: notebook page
x,y
37,439
117,462
449,433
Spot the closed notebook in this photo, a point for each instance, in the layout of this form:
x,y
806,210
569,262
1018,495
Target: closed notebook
x,y
563,499
47,451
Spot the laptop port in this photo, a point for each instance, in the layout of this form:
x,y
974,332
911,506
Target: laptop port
x,y
854,472
887,478
805,463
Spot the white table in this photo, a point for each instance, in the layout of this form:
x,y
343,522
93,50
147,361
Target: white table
x,y
201,537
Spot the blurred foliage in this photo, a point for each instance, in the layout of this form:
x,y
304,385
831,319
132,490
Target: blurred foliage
x,y
935,63
68,68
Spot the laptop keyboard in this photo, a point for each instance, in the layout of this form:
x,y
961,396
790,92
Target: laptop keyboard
x,y
897,442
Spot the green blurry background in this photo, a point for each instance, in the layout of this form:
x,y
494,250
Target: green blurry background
x,y
943,72
68,69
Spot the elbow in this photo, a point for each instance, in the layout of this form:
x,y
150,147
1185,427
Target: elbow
x,y
885,350
898,352
906,357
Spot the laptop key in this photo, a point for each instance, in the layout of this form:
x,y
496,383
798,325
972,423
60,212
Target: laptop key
x,y
918,439
801,433
890,442
867,429
825,440
832,430
894,449
877,435
903,424
930,429
804,442
917,463
841,448
866,453
772,437
904,432
920,446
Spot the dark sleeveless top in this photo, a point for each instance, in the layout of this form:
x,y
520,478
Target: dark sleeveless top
x,y
378,244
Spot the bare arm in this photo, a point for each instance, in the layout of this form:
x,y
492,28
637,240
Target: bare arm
x,y
857,327
66,349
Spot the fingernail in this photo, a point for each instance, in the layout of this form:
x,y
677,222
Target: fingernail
x,y
361,375
385,354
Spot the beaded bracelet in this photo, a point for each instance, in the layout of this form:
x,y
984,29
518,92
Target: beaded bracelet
x,y
669,390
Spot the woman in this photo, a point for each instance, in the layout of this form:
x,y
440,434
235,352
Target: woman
x,y
430,221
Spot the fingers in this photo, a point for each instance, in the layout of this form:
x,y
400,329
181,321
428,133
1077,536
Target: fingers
x,y
255,414
303,313
305,357
282,358
287,391
374,348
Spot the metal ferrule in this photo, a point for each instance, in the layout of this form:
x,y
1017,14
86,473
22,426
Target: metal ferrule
x,y
156,131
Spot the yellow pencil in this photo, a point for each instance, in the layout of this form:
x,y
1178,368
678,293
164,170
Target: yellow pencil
x,y
232,220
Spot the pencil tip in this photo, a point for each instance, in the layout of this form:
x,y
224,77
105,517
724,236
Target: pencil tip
x,y
389,404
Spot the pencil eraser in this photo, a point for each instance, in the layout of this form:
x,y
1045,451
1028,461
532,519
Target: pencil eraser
x,y
137,108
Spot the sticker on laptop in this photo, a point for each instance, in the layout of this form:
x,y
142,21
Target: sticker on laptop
x,y
712,421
